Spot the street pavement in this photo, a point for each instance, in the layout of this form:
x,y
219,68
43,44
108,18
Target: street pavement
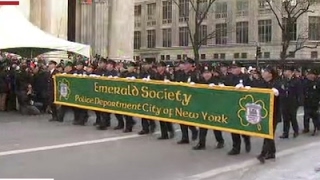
x,y
32,147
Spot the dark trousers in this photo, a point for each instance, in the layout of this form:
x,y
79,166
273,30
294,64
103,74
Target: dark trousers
x,y
203,136
129,122
147,124
119,118
289,115
103,119
166,127
269,146
54,111
236,141
80,115
310,112
185,133
62,112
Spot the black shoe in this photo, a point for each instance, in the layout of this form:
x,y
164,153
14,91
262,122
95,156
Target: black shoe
x,y
270,156
220,145
183,141
194,135
305,131
101,128
143,132
60,120
233,152
248,147
127,130
163,137
284,136
261,159
118,127
295,134
199,147
315,132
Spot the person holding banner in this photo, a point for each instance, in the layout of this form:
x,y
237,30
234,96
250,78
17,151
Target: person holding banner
x,y
50,81
165,127
269,76
239,80
208,78
188,76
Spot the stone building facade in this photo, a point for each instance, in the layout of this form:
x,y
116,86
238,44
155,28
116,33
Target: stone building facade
x,y
240,26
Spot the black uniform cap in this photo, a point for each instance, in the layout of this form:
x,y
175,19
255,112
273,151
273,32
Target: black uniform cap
x,y
236,64
271,70
189,60
132,64
80,63
289,68
103,60
68,64
162,64
312,71
206,69
224,64
112,62
52,62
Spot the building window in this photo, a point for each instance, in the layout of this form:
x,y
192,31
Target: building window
x,y
314,54
183,10
242,8
263,7
203,56
215,56
221,10
184,56
265,30
222,56
168,57
266,55
162,57
314,28
242,32
221,33
203,34
291,54
151,38
236,55
151,14
244,55
289,31
202,9
166,12
137,10
179,57
183,36
137,40
166,37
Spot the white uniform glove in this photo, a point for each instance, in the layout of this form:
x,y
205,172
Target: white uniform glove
x,y
275,91
247,87
221,85
132,78
145,79
192,83
238,86
115,77
212,85
109,77
166,80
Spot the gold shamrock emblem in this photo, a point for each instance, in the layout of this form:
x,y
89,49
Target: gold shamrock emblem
x,y
251,111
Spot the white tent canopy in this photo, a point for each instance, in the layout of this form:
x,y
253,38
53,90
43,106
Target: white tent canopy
x,y
19,36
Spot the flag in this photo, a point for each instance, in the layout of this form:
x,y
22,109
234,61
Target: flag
x,y
9,3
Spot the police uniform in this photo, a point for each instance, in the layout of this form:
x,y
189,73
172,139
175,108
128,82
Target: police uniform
x,y
188,77
50,81
269,148
208,78
234,80
129,73
311,96
80,115
148,126
290,93
68,69
166,128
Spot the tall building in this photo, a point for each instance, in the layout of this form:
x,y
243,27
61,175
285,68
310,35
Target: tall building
x,y
239,26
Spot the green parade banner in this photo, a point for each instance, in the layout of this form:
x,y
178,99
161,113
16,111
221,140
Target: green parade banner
x,y
243,111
